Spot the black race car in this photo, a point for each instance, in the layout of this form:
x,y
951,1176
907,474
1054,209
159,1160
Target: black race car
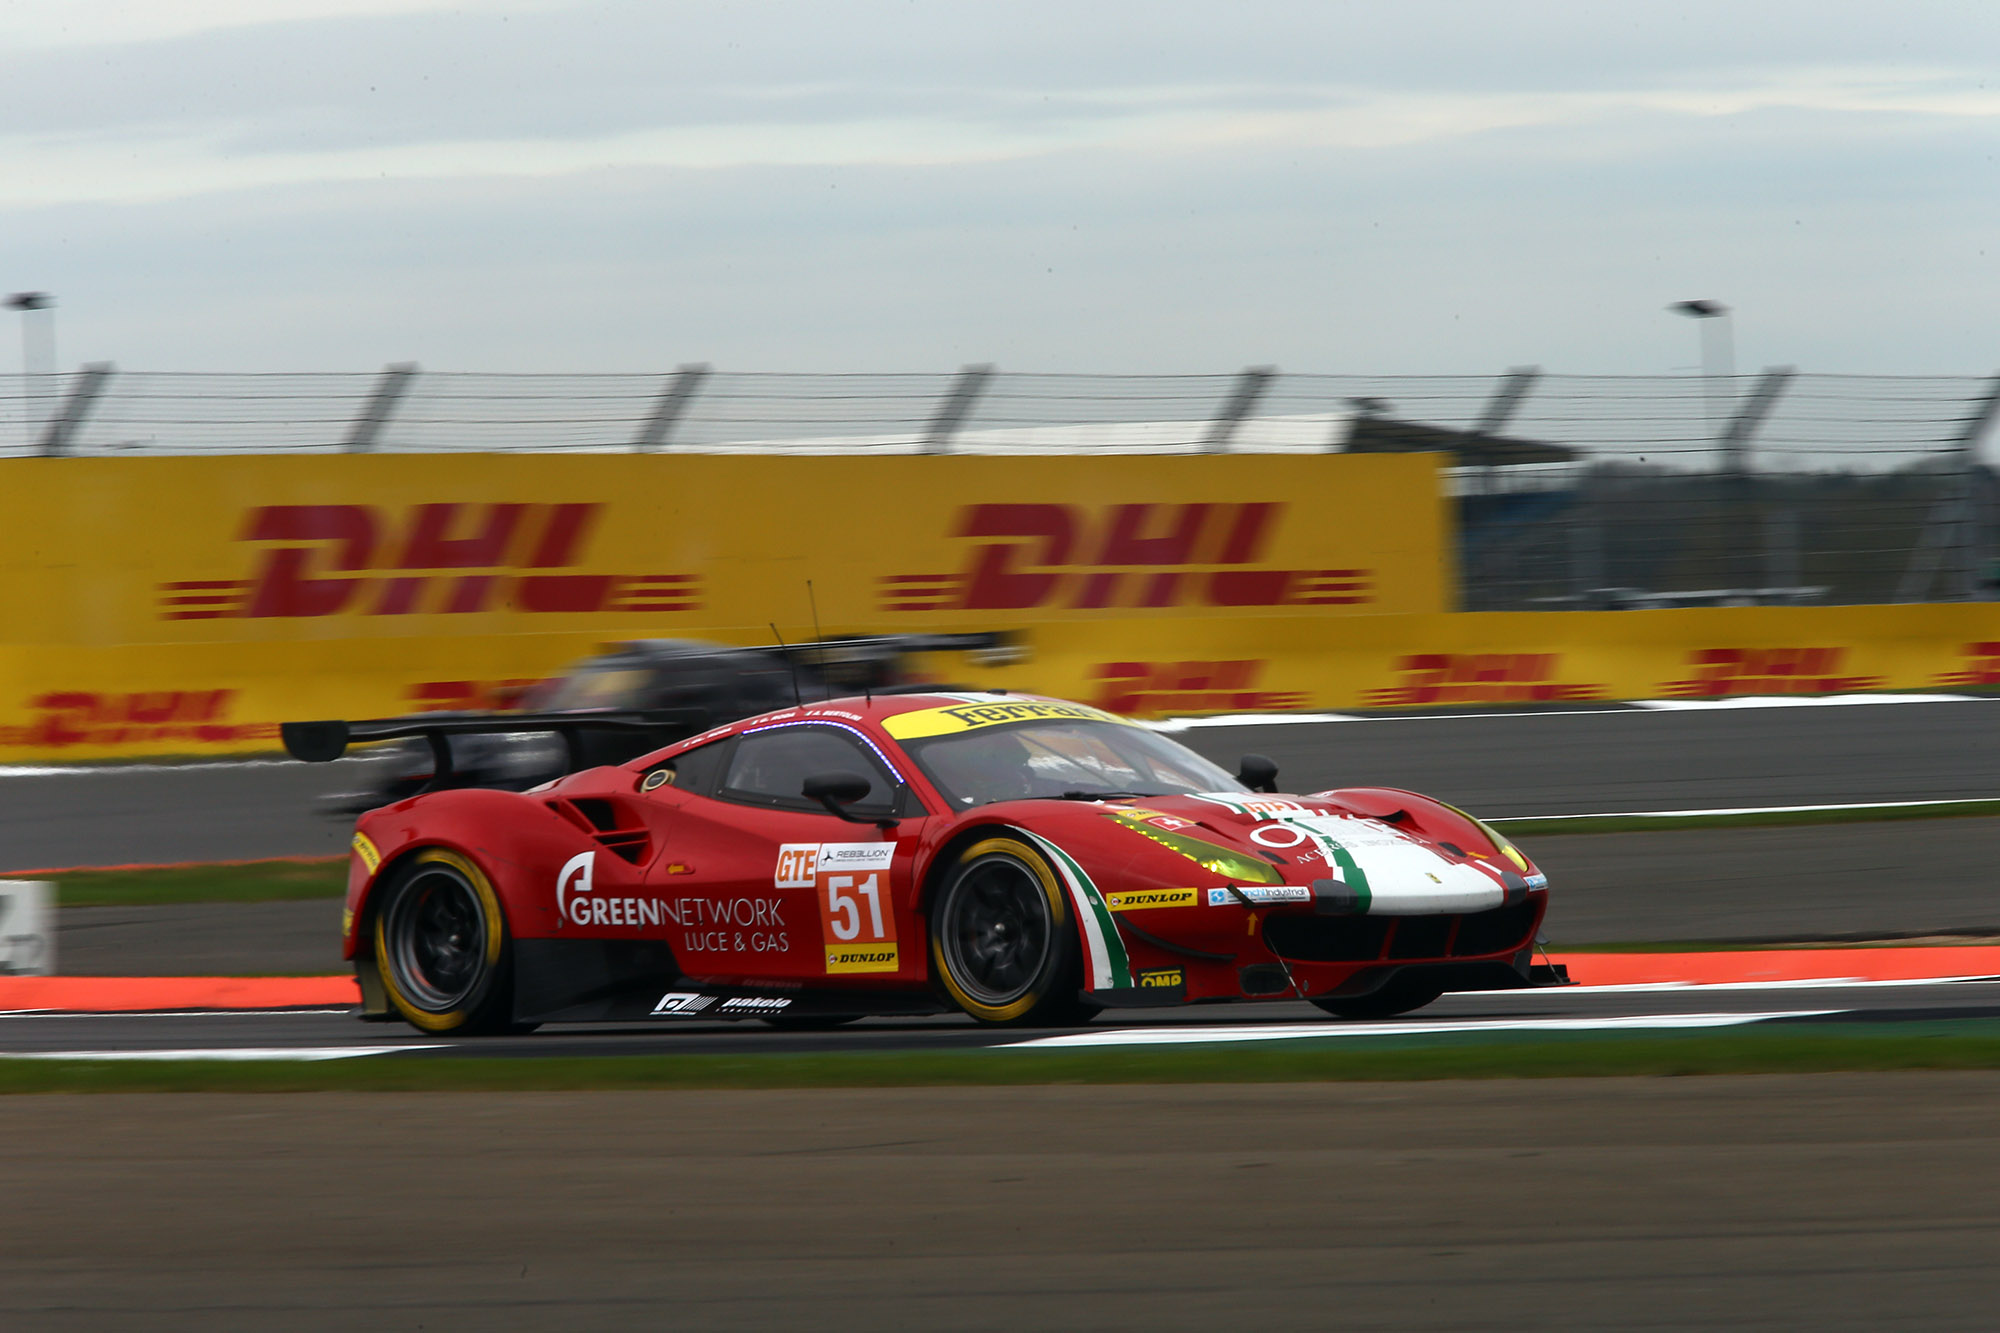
x,y
681,686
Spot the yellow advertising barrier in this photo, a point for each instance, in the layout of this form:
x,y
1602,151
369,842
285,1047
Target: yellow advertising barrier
x,y
187,605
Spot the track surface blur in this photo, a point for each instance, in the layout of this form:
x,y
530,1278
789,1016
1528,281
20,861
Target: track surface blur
x,y
1830,1202
1497,764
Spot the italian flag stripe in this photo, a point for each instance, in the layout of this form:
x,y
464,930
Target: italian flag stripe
x,y
1109,966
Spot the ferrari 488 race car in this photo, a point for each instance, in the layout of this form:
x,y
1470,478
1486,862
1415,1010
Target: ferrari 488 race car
x,y
1019,858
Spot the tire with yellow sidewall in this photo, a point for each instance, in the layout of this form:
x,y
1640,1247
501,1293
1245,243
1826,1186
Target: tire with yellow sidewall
x,y
1003,939
441,946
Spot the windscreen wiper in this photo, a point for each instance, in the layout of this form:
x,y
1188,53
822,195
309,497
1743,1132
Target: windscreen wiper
x,y
1102,795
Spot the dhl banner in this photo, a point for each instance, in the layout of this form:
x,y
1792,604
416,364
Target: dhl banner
x,y
187,605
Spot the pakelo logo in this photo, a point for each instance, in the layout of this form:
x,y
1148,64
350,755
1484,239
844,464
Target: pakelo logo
x,y
1719,672
1137,900
1141,555
1980,665
752,1004
451,558
1188,687
1480,678
147,717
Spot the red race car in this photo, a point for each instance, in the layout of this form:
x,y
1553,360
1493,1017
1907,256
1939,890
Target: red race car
x,y
1019,858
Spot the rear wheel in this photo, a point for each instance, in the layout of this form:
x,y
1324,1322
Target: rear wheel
x,y
441,947
1003,943
1404,992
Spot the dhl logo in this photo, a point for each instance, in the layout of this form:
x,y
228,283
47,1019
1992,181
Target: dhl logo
x,y
323,560
430,696
81,717
1479,678
1979,665
1152,555
1716,672
1135,688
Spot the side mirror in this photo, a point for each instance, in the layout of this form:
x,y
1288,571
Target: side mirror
x,y
837,791
1258,772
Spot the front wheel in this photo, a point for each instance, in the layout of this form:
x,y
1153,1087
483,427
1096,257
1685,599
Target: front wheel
x,y
1003,943
441,947
1403,993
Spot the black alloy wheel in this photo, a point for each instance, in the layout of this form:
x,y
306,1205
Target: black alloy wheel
x,y
1002,938
441,947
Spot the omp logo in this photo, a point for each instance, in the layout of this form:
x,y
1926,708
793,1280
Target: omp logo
x,y
1163,979
81,717
1188,687
1479,678
1979,665
1053,555
1139,899
324,560
1715,672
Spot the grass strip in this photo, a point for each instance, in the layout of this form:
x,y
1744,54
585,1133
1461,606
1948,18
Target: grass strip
x,y
1819,1048
245,882
1670,823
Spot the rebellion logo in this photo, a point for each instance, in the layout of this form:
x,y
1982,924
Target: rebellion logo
x,y
1717,672
1129,555
324,560
1188,687
1480,678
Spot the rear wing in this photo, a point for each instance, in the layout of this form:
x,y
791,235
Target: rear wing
x,y
323,742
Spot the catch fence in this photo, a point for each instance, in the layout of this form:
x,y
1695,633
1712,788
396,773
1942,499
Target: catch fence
x,y
1571,491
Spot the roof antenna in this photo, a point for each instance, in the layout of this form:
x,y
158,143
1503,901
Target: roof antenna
x,y
796,701
825,685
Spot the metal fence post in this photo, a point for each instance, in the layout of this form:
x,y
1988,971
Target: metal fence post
x,y
671,407
1499,410
65,424
389,391
1954,520
1739,511
956,406
1250,386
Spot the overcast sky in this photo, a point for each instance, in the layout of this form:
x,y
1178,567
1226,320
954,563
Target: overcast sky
x,y
1409,187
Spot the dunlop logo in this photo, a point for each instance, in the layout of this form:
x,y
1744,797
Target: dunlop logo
x,y
1129,555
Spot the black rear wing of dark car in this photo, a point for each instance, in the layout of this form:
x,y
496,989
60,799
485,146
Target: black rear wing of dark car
x,y
323,742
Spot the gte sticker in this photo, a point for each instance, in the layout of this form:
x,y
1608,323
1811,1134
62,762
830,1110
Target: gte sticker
x,y
850,880
1134,900
681,1004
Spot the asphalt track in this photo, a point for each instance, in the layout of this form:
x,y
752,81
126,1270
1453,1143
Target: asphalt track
x,y
1495,764
335,1032
1826,1202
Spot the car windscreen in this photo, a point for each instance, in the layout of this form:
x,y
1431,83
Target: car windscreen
x,y
1070,758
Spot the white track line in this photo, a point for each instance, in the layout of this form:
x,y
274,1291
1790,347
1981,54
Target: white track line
x,y
1300,1031
1754,810
298,1053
